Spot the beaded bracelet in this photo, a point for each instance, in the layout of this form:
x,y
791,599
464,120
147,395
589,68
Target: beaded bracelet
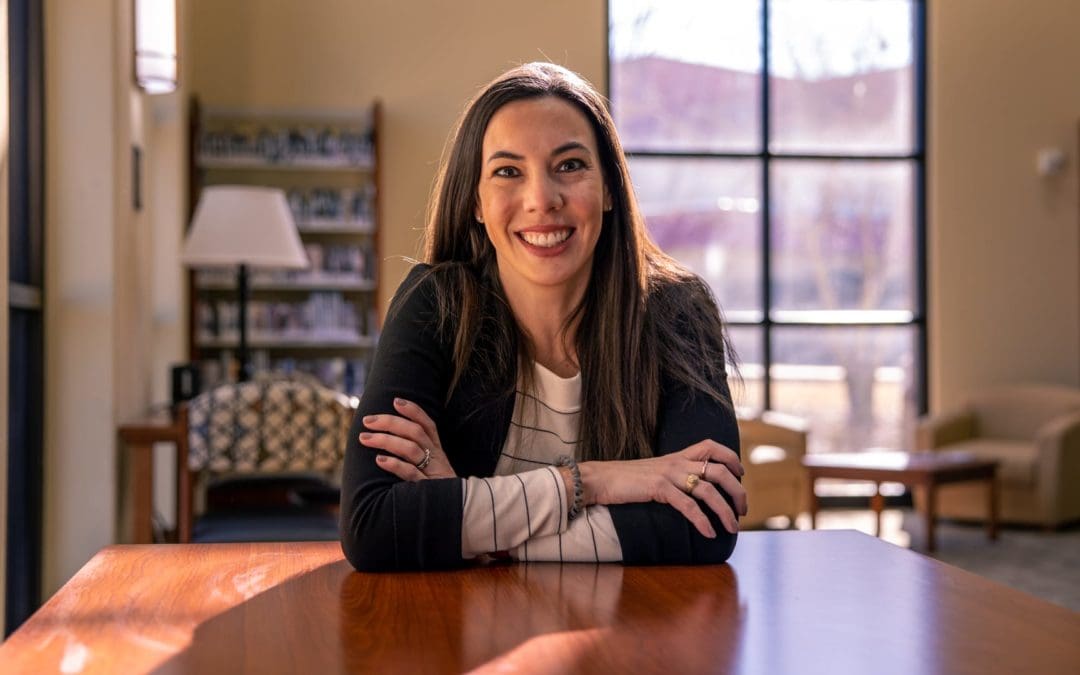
x,y
579,492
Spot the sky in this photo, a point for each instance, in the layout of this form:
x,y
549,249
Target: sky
x,y
810,38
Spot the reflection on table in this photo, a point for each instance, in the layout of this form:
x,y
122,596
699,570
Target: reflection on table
x,y
805,602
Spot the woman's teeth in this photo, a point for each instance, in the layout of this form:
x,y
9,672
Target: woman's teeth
x,y
545,239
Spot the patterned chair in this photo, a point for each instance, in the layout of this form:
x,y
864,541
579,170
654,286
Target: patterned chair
x,y
259,447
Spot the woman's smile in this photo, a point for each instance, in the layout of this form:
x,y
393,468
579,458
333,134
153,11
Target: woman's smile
x,y
548,240
541,195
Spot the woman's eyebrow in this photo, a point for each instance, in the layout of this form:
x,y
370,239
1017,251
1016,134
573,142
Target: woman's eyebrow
x,y
504,154
565,147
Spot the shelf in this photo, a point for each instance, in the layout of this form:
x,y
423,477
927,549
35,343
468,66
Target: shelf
x,y
299,164
318,284
332,226
326,162
272,342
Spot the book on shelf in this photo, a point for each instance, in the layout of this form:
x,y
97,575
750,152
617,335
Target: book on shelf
x,y
244,144
323,317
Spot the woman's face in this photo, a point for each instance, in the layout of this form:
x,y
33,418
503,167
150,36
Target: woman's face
x,y
541,194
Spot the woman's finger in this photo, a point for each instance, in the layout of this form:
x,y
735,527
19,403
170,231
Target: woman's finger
x,y
719,474
417,414
685,505
402,447
402,470
715,452
708,493
399,426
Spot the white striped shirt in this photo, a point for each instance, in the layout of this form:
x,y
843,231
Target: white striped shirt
x,y
522,508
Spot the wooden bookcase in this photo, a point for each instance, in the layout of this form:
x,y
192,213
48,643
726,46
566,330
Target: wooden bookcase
x,y
323,321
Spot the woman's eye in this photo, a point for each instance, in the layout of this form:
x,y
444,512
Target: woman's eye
x,y
571,165
506,172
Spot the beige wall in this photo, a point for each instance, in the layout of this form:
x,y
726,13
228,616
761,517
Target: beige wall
x,y
98,344
422,59
1004,242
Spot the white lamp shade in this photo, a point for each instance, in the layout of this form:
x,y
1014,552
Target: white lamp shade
x,y
241,224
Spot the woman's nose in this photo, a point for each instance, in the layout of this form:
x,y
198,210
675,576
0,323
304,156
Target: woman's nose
x,y
542,194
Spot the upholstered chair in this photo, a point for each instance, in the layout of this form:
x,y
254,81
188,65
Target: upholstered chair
x,y
1033,431
773,445
263,444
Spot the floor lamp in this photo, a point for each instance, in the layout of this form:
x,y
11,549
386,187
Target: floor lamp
x,y
243,226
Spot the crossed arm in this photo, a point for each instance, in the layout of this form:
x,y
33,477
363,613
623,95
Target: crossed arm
x,y
395,516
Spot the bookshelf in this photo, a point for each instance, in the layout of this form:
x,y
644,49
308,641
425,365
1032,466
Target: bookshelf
x,y
324,320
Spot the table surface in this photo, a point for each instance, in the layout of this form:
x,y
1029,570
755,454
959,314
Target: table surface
x,y
894,460
788,602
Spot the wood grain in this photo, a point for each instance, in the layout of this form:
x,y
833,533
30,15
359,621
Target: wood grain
x,y
805,602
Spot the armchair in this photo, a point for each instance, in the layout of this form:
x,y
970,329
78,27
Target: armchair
x,y
268,441
773,445
1033,431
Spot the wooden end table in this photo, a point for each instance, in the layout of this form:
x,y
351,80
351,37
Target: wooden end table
x,y
926,469
139,437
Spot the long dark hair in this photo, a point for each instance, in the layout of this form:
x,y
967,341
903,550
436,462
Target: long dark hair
x,y
642,316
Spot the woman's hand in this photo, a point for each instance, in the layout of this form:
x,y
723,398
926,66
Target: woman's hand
x,y
407,436
665,479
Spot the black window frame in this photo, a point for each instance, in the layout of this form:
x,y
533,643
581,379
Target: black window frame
x,y
26,262
765,156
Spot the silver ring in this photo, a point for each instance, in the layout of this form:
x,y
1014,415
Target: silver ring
x,y
704,468
425,461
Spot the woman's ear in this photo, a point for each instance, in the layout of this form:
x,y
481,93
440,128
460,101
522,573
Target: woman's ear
x,y
478,213
607,198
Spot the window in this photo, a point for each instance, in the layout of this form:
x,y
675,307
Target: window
x,y
776,147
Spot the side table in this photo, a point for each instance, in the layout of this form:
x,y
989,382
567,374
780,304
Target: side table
x,y
139,437
915,469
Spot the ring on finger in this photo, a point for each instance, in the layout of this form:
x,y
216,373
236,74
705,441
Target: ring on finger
x,y
422,464
692,480
704,468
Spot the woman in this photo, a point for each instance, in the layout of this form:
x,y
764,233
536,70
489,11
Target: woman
x,y
549,384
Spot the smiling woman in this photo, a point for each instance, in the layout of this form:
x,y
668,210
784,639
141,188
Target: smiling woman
x,y
549,385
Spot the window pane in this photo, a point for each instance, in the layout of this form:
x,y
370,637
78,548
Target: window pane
x,y
706,213
856,385
749,393
841,76
686,74
843,241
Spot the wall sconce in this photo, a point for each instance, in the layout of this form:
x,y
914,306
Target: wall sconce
x,y
155,46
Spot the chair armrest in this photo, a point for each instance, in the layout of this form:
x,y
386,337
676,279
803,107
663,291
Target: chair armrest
x,y
935,431
1058,443
772,431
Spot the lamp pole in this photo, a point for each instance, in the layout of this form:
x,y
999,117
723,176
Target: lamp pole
x,y
242,287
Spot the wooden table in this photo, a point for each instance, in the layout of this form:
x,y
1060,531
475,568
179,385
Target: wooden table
x,y
789,602
914,469
139,437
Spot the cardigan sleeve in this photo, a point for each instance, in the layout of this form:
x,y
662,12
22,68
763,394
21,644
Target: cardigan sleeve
x,y
388,523
652,533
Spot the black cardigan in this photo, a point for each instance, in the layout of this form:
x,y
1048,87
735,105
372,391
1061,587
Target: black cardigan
x,y
391,524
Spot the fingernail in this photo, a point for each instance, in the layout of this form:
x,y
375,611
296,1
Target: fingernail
x,y
365,436
712,533
381,458
371,419
400,402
